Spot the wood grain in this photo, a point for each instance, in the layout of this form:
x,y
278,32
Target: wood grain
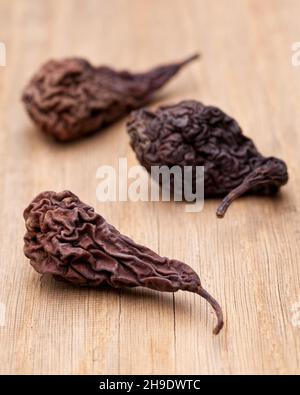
x,y
250,260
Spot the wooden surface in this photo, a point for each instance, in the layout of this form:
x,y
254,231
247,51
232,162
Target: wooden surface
x,y
250,260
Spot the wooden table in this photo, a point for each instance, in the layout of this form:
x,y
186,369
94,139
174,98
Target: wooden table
x,y
250,260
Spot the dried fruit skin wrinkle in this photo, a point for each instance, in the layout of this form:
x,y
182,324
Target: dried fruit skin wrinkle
x,y
71,98
67,239
192,134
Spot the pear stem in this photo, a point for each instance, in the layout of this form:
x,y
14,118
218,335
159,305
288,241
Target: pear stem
x,y
215,305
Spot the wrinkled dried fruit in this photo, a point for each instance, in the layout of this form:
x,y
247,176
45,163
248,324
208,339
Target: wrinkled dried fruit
x,y
70,98
67,239
192,134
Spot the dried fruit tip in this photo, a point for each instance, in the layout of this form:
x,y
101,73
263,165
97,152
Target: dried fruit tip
x,y
234,194
191,59
271,173
215,305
